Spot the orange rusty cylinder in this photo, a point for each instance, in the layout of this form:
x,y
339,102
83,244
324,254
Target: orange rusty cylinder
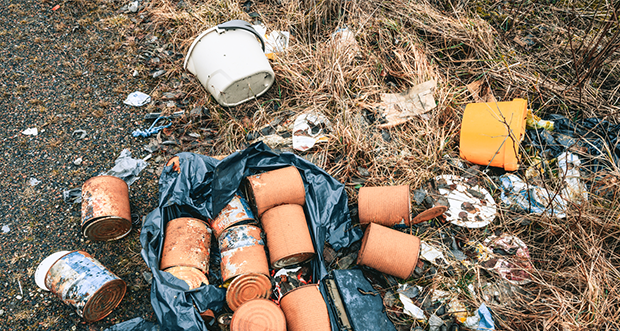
x,y
385,205
288,237
243,251
247,287
258,315
389,251
305,309
429,214
83,282
105,208
192,276
237,211
276,187
186,244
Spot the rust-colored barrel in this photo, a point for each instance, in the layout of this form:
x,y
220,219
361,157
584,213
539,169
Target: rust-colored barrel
x,y
243,251
429,214
192,276
305,309
83,282
105,208
288,236
237,211
389,251
385,205
247,287
274,188
258,315
187,243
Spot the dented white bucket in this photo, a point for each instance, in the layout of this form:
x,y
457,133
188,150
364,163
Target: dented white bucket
x,y
229,62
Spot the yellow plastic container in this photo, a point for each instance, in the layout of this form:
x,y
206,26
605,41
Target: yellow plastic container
x,y
492,132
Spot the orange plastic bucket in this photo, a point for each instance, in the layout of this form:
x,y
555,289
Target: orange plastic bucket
x,y
492,132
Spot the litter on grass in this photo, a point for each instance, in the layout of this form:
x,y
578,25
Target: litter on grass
x,y
6,229
33,181
275,42
506,255
126,167
31,132
137,99
309,129
398,108
468,205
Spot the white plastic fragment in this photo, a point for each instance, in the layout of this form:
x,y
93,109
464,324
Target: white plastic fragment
x,y
31,132
33,181
411,309
575,190
126,167
468,206
309,129
137,99
431,254
6,229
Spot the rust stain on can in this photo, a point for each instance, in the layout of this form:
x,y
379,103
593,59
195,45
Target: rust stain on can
x,y
242,251
83,282
106,214
247,287
187,243
192,276
236,211
274,188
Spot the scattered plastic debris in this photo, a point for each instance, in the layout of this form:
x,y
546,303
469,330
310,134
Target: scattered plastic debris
x,y
275,42
309,129
482,319
153,129
411,309
517,270
534,122
575,190
5,229
522,197
398,108
56,7
431,254
78,161
158,73
275,141
434,323
126,167
137,99
31,132
33,181
72,196
468,206
79,134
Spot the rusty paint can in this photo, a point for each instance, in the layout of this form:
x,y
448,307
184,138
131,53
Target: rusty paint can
x,y
389,251
385,205
274,188
237,211
246,287
192,276
105,208
288,236
429,214
187,243
305,309
243,251
258,315
83,282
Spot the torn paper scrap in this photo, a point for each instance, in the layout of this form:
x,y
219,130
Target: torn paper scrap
x,y
398,108
309,129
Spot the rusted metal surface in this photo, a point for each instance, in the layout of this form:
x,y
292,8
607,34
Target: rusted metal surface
x,y
243,251
236,211
258,314
187,243
288,236
81,281
385,205
105,208
305,309
247,287
192,276
274,188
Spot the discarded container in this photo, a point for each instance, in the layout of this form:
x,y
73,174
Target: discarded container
x,y
429,214
81,281
237,211
389,251
243,251
186,244
288,237
258,315
305,309
492,132
105,208
247,287
385,205
192,276
468,205
274,188
229,62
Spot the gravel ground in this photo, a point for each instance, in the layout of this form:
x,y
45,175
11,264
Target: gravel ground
x,y
64,70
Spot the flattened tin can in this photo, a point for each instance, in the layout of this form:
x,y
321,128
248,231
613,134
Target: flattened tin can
x,y
274,188
105,208
236,211
288,237
187,243
81,281
247,287
243,251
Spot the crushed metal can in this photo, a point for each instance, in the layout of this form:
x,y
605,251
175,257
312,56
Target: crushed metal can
x,y
82,282
105,208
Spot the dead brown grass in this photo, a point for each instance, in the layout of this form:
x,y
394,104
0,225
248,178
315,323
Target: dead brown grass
x,y
403,43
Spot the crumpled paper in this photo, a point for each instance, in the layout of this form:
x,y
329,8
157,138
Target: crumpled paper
x,y
309,129
137,99
398,108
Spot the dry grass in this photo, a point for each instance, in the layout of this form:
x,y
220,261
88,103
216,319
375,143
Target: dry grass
x,y
570,68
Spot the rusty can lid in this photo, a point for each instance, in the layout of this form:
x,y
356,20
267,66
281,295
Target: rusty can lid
x,y
45,266
247,287
258,315
192,276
